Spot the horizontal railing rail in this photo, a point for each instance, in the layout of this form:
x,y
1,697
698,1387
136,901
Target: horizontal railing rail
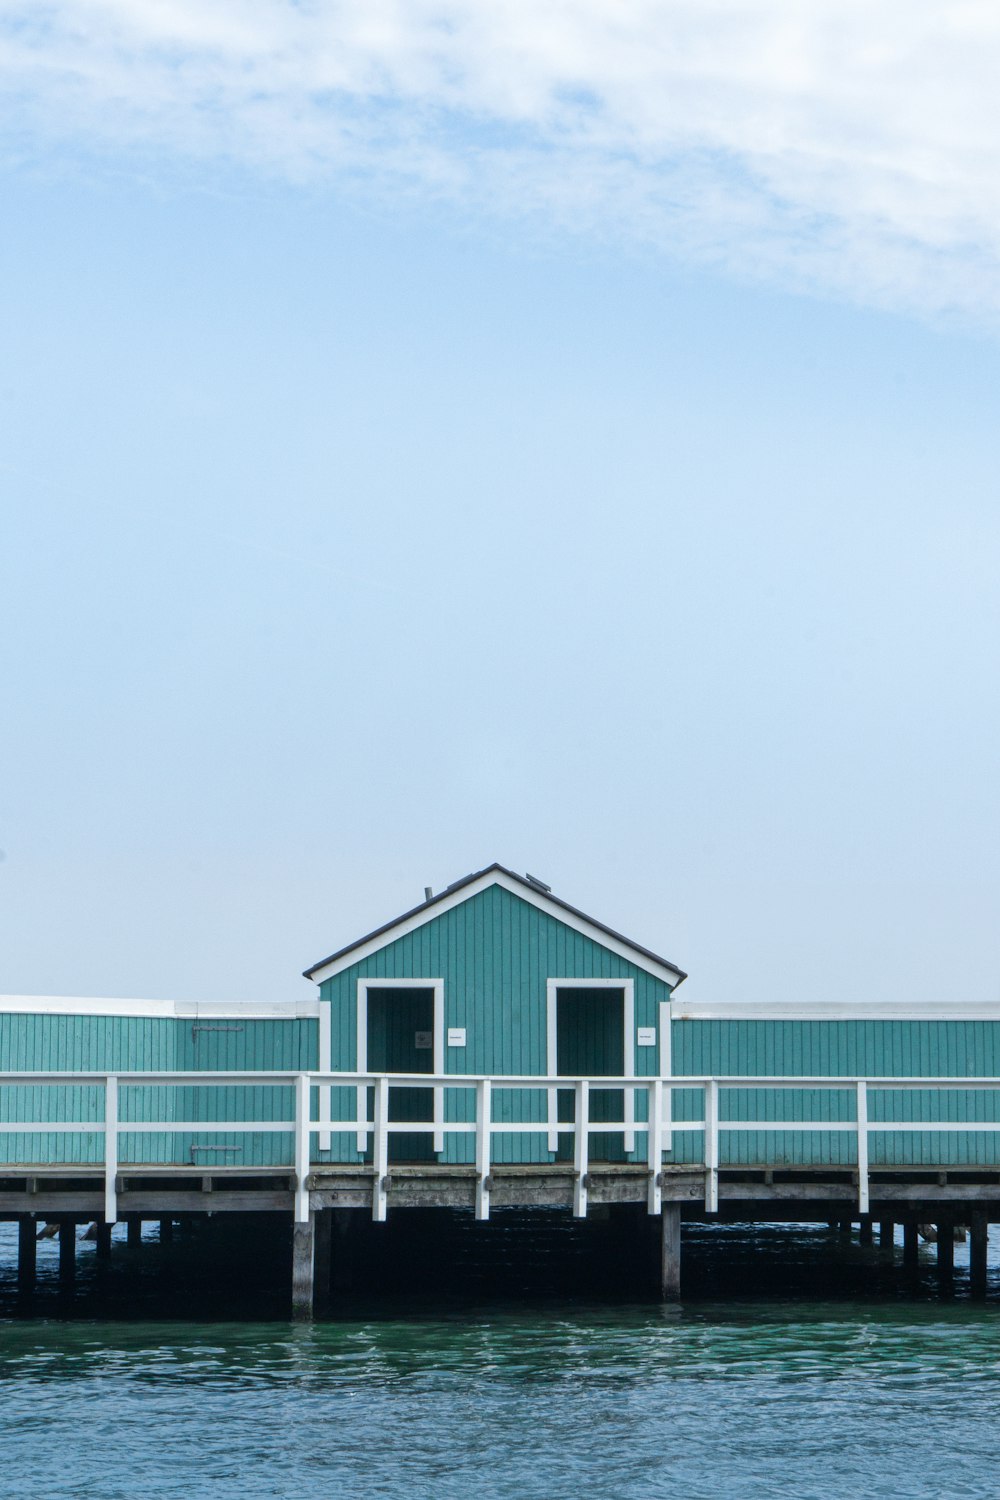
x,y
374,1129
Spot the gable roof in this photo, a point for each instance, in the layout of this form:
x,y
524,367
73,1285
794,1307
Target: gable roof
x,y
527,890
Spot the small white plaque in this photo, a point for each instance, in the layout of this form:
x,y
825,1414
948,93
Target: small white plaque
x,y
456,1036
647,1036
423,1040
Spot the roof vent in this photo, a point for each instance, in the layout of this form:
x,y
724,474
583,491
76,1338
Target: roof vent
x,y
428,893
538,884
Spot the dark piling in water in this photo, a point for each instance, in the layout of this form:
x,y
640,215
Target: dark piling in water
x,y
670,1252
27,1255
977,1253
946,1254
67,1251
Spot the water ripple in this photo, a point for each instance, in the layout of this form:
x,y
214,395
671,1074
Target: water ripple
x,y
753,1397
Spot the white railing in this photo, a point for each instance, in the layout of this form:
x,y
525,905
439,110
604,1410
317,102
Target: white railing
x,y
659,1127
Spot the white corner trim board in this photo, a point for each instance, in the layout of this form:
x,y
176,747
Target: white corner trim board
x,y
325,1061
187,1010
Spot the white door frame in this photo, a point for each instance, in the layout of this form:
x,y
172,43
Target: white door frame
x,y
552,987
325,1066
437,985
666,1071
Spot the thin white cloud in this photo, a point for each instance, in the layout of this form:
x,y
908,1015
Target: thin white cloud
x,y
849,144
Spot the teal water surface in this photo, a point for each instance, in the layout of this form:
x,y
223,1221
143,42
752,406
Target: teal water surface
x,y
754,1395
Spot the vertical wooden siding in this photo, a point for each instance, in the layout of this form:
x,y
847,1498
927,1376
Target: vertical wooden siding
x,y
876,1048
130,1044
495,953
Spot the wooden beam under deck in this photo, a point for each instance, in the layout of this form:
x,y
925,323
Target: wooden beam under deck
x,y
336,1194
759,1193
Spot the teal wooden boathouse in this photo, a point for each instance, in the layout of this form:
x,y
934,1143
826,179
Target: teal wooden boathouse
x,y
496,1047
495,977
498,980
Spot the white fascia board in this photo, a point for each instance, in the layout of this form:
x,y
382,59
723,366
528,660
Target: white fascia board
x,y
191,1010
835,1010
533,897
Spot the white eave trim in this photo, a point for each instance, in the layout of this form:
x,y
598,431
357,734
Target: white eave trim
x,y
836,1010
189,1010
534,897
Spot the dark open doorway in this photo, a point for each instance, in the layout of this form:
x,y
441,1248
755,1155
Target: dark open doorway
x,y
400,1040
590,1043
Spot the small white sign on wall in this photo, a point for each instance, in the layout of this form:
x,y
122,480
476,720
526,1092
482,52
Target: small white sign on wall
x,y
646,1036
456,1036
423,1040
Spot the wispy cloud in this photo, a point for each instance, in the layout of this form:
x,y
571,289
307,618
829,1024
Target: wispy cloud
x,y
846,144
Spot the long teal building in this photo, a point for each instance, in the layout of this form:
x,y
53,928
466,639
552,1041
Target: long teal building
x,y
497,978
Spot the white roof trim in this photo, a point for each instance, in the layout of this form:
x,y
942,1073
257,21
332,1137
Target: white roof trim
x,y
836,1010
526,893
189,1010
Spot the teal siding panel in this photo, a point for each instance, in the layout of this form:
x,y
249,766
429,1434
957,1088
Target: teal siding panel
x,y
231,1046
74,1043
129,1044
864,1048
494,953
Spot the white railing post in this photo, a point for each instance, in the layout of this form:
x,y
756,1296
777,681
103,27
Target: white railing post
x,y
380,1150
712,1146
111,1149
303,1110
438,1119
483,1127
362,1116
863,1200
654,1153
581,1151
552,1105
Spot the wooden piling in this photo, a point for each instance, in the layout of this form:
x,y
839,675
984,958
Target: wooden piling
x,y
102,1248
134,1230
303,1269
67,1250
911,1244
946,1252
166,1231
670,1252
865,1231
27,1254
323,1259
845,1228
346,1225
979,1229
886,1234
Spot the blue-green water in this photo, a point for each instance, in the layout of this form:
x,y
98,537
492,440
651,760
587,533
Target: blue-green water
x,y
754,1393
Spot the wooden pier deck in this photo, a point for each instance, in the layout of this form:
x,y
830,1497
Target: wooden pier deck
x,y
314,1191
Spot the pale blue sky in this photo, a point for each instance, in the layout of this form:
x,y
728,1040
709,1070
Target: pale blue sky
x,y
359,533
